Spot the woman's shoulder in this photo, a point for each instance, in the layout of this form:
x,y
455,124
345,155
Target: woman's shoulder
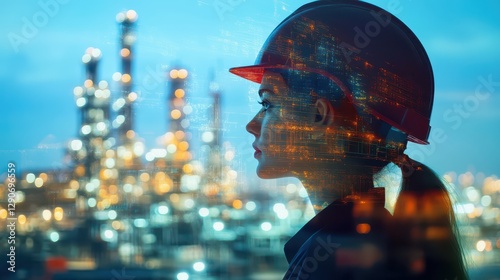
x,y
341,240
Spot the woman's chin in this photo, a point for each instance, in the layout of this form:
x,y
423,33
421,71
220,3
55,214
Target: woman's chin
x,y
265,172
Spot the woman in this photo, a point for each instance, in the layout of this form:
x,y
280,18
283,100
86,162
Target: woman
x,y
344,86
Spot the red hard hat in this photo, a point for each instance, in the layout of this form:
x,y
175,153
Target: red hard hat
x,y
372,56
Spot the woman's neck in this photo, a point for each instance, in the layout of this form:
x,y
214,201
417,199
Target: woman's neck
x,y
324,187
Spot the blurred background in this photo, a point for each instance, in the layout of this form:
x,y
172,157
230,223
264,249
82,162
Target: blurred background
x,y
126,136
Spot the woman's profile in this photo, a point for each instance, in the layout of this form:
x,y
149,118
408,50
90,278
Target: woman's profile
x,y
343,86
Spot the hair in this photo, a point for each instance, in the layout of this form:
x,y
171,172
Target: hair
x,y
423,213
423,234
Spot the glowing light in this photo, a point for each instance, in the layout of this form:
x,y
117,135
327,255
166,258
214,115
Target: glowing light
x,y
98,93
58,213
183,146
472,193
174,198
120,119
162,209
174,74
144,177
171,148
129,39
103,84
108,234
140,223
280,210
38,182
187,168
76,145
127,188
250,206
266,226
120,17
86,58
46,215
185,123
130,134
207,137
363,228
187,109
54,236
19,196
132,96
486,200
30,178
182,276
139,149
3,213
159,153
232,174
78,91
120,102
106,93
203,212
168,137
91,202
179,93
189,203
303,193
126,78
466,179
178,102
126,249
110,163
96,52
218,226
237,204
150,156
179,134
291,188
86,129
117,225
199,266
43,176
117,76
81,101
112,214
70,193
101,126
88,83
183,73
481,245
21,219
131,15
73,184
90,187
175,114
124,52
229,155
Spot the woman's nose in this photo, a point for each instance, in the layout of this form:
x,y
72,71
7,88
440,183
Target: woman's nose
x,y
253,127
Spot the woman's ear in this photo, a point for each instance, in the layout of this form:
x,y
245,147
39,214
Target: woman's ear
x,y
324,112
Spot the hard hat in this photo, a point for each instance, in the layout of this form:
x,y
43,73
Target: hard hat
x,y
374,58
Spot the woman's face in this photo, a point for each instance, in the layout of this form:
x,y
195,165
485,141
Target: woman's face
x,y
282,129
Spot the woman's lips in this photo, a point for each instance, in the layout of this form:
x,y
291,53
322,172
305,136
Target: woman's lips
x,y
257,153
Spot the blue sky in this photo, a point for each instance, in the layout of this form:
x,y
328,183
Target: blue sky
x,y
38,74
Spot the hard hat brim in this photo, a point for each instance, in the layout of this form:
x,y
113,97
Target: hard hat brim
x,y
254,73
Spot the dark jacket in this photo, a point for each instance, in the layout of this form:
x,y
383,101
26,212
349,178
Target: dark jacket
x,y
346,240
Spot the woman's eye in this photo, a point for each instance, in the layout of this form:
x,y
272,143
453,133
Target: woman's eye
x,y
265,105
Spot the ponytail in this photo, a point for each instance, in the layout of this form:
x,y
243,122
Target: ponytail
x,y
424,235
